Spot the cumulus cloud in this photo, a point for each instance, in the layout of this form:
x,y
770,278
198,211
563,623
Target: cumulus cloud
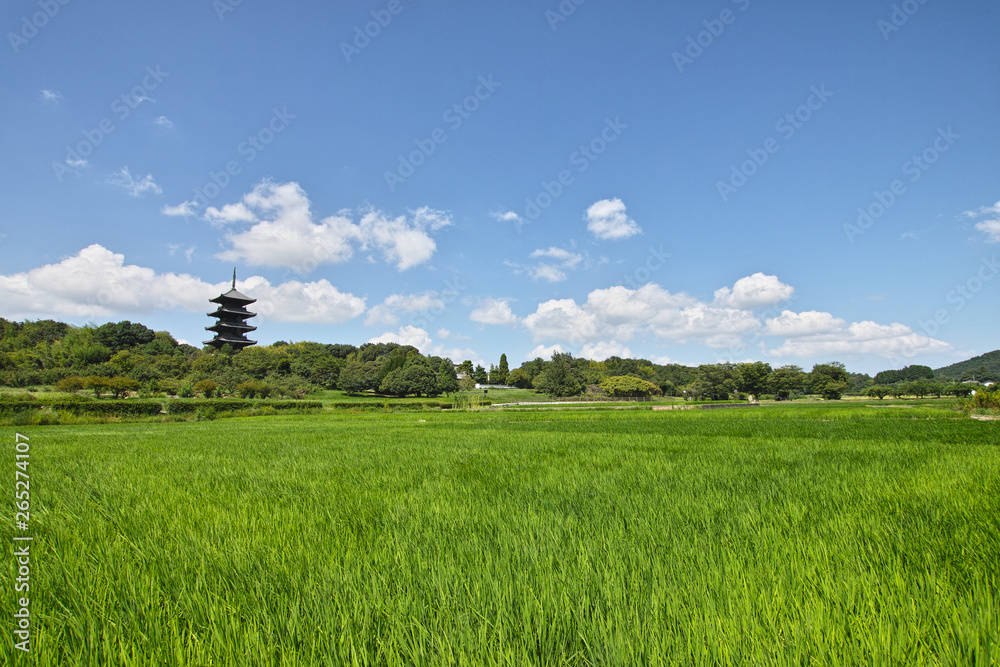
x,y
802,324
545,352
493,311
97,283
602,350
283,232
892,341
754,291
134,186
408,335
619,313
238,212
388,311
606,219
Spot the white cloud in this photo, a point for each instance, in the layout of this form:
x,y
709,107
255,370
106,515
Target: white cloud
x,y
606,219
408,335
285,234
754,291
807,323
164,122
388,311
547,272
294,301
184,209
545,352
892,341
506,216
991,226
135,187
237,212
553,272
51,96
96,283
601,351
620,313
493,311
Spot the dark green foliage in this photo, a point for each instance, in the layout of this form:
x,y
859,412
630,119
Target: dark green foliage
x,y
984,368
560,377
829,380
752,378
787,381
123,335
446,380
906,374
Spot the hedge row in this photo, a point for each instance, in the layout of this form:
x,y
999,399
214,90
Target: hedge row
x,y
119,408
136,408
231,405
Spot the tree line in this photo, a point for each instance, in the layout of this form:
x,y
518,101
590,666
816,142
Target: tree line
x,y
123,357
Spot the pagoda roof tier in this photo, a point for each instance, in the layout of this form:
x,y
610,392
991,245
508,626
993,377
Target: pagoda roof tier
x,y
232,295
229,339
238,313
225,326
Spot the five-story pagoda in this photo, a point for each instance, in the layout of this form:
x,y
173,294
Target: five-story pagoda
x,y
232,313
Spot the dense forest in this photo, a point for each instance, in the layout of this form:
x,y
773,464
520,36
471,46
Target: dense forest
x,y
124,358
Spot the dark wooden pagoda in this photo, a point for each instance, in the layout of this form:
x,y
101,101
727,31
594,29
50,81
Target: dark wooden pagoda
x,y
232,314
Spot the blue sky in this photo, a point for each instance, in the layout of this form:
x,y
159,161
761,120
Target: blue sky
x,y
693,183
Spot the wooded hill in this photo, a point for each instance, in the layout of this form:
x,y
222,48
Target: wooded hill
x,y
984,368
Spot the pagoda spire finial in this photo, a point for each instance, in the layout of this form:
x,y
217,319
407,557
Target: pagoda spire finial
x,y
234,277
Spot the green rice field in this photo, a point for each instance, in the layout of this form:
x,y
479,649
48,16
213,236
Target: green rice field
x,y
822,534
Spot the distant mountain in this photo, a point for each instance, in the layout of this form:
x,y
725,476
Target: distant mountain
x,y
984,367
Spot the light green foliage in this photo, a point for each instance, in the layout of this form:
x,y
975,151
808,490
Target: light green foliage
x,y
626,385
830,534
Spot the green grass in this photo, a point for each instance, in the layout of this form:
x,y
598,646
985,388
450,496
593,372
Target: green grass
x,y
829,534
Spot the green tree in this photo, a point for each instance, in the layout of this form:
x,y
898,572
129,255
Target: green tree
x,y
719,380
560,377
629,386
787,381
502,372
751,378
480,376
519,379
446,381
830,380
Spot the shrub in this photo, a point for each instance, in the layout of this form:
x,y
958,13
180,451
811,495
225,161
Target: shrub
x,y
206,387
